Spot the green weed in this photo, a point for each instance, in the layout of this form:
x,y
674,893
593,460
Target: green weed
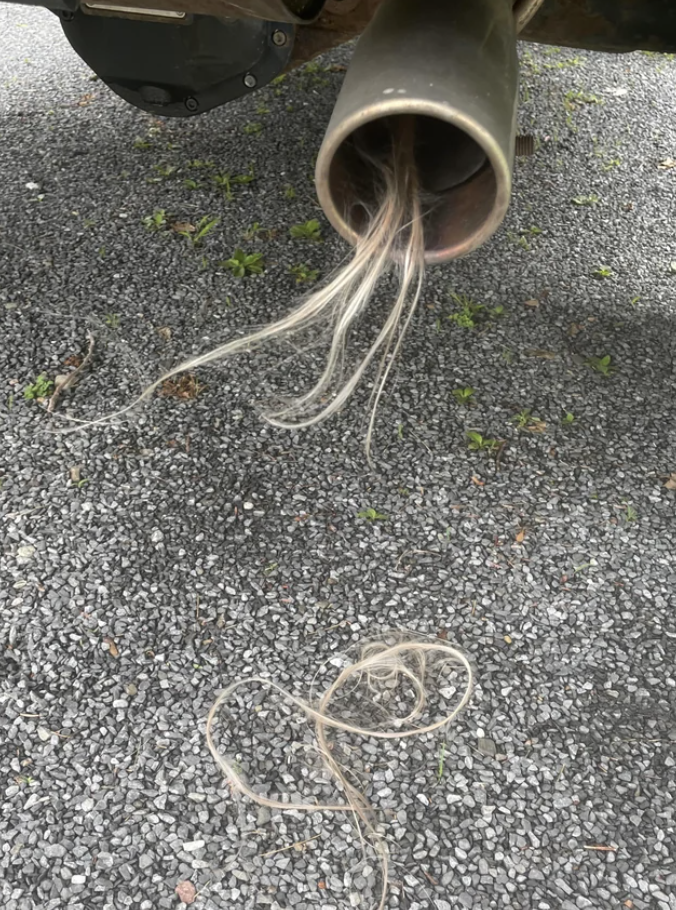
x,y
303,273
471,314
242,264
478,443
603,271
196,234
602,365
156,221
371,515
41,388
463,395
591,199
309,230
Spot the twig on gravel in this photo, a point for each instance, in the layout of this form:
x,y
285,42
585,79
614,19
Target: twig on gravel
x,y
71,378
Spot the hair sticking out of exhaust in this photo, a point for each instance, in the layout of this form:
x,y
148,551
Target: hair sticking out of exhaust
x,y
402,670
392,240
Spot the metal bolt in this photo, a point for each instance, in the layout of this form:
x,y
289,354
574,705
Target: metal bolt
x,y
250,80
279,38
191,104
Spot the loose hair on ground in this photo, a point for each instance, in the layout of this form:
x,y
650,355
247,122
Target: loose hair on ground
x,y
398,661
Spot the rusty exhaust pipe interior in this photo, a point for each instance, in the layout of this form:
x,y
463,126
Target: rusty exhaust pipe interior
x,y
452,66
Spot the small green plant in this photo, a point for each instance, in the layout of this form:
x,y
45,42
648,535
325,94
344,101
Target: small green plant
x,y
507,355
611,163
472,314
603,271
591,199
371,515
478,443
565,64
198,163
262,109
142,144
309,230
242,264
165,170
631,514
635,300
112,320
575,99
440,765
526,420
196,234
463,396
303,273
41,388
257,230
156,221
191,184
568,419
251,129
226,181
289,192
602,365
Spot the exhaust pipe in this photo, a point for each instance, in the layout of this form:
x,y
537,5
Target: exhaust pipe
x,y
452,65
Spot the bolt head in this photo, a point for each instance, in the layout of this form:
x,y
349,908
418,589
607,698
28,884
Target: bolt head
x,y
279,38
250,80
191,104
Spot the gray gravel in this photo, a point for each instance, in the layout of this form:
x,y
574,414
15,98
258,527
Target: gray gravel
x,y
200,544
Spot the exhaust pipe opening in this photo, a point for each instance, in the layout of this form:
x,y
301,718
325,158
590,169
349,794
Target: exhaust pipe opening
x,y
451,67
458,184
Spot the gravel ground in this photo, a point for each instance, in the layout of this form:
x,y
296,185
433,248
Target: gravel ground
x,y
147,564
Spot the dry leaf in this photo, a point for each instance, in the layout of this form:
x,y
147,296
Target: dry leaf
x,y
164,332
186,892
508,639
73,361
536,426
183,227
76,473
671,482
520,536
112,647
532,302
186,387
477,482
667,163
442,634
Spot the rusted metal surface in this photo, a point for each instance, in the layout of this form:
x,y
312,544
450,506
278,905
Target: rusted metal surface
x,y
606,25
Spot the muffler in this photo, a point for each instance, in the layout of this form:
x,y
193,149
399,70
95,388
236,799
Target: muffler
x,y
452,65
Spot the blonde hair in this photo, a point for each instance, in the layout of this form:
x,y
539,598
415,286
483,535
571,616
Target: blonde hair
x,y
392,238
